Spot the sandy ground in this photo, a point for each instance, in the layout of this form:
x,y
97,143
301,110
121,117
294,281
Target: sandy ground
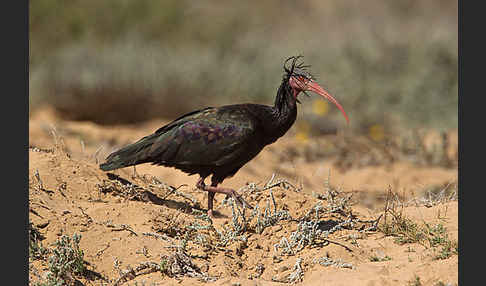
x,y
74,198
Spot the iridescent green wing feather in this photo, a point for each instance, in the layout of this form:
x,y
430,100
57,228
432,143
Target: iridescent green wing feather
x,y
208,137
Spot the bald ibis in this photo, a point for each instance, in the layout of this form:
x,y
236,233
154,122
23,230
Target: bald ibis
x,y
218,141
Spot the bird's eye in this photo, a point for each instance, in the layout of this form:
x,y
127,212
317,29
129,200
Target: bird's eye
x,y
303,80
299,82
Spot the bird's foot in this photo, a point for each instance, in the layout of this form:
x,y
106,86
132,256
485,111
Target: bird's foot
x,y
229,192
210,214
239,199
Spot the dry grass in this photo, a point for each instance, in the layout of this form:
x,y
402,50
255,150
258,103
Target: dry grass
x,y
179,264
395,223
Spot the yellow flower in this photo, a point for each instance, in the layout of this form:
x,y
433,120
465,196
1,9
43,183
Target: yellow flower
x,y
303,131
376,132
304,126
302,137
320,107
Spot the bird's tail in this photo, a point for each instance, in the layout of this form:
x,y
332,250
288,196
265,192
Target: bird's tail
x,y
130,155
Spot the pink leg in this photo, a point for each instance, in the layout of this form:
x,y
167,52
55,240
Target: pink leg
x,y
213,189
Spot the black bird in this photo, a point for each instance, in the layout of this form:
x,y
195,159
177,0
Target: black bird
x,y
218,141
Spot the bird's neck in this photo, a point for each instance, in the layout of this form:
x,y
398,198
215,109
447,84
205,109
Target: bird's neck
x,y
284,111
285,106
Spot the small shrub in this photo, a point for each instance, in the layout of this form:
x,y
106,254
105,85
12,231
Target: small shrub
x,y
67,260
375,258
415,281
36,250
406,230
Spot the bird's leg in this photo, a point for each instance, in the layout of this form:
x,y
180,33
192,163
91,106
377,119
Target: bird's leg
x,y
213,189
202,186
200,183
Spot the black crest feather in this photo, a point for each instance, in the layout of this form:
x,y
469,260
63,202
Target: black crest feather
x,y
296,63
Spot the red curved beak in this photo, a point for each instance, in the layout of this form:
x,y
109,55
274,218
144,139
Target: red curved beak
x,y
314,87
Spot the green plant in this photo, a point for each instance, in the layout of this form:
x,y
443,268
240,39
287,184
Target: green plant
x,y
375,258
415,281
405,230
36,250
66,261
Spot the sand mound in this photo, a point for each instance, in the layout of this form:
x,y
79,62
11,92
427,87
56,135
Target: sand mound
x,y
313,222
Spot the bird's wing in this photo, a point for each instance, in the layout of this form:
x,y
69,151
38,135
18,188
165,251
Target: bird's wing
x,y
206,137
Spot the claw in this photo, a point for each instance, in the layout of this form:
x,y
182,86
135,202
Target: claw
x,y
210,214
214,189
239,199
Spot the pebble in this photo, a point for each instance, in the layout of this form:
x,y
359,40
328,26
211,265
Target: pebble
x,y
276,228
43,224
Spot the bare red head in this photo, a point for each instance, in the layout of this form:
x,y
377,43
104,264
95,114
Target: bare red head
x,y
301,81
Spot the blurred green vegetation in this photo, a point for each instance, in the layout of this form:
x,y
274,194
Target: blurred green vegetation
x,y
389,63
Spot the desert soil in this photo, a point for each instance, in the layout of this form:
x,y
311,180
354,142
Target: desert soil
x,y
122,228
